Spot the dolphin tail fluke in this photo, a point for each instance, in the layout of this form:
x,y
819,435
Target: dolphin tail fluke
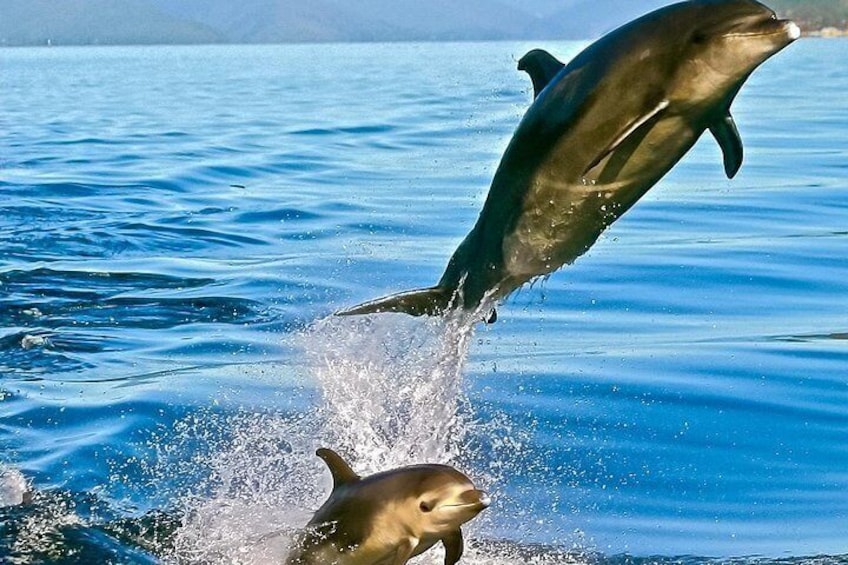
x,y
422,302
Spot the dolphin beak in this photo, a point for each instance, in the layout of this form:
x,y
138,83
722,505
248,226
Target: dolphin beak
x,y
476,499
786,28
792,30
483,500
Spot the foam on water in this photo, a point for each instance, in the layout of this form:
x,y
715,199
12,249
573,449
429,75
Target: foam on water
x,y
14,489
31,524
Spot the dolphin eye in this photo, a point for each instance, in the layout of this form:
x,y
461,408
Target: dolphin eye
x,y
698,37
425,507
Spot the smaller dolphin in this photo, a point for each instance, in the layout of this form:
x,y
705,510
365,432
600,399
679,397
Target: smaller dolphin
x,y
389,517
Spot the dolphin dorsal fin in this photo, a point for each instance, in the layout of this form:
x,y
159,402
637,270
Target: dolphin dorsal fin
x,y
725,132
542,68
341,471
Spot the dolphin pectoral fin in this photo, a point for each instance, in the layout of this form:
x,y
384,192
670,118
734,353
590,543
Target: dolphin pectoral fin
x,y
341,471
405,551
542,68
423,302
454,546
727,135
645,120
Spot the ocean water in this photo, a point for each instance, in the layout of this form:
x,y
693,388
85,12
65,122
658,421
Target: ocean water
x,y
178,224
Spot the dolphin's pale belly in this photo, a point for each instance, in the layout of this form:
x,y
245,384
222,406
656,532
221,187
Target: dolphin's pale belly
x,y
566,211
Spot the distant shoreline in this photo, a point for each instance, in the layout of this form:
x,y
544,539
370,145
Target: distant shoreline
x,y
32,23
828,32
825,32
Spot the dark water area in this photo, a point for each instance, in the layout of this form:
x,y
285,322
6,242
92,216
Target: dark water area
x,y
178,222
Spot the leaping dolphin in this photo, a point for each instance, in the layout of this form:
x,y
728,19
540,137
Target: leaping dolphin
x,y
602,130
389,517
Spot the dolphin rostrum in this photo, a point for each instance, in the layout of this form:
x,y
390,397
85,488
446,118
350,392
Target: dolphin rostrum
x,y
602,130
389,517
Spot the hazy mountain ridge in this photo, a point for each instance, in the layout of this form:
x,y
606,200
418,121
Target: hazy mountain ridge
x,y
85,22
91,22
368,20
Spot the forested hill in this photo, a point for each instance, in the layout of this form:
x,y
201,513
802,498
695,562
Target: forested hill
x,y
94,22
814,15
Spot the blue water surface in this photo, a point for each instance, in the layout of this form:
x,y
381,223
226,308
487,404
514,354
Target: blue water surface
x,y
172,217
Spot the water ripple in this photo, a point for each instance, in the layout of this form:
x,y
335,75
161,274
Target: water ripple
x,y
680,389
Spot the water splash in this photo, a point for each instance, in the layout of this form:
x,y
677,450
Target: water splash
x,y
261,486
391,394
391,387
14,487
33,526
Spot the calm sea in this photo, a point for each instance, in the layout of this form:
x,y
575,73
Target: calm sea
x,y
178,222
